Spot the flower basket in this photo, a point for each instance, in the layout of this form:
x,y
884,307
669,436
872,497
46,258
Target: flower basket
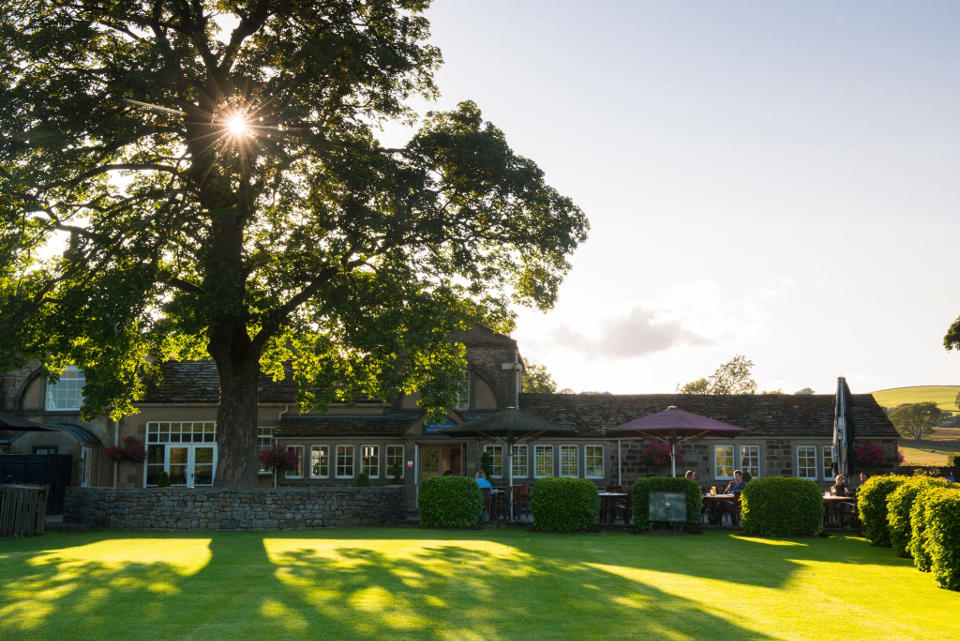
x,y
131,450
869,455
279,459
657,454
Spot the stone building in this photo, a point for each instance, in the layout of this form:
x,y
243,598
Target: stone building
x,y
785,435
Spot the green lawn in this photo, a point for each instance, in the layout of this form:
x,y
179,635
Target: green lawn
x,y
490,584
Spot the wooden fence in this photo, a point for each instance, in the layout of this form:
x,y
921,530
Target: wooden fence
x,y
23,510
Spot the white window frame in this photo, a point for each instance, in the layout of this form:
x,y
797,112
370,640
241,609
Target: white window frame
x,y
375,473
807,448
264,441
586,461
353,461
167,434
536,458
67,387
576,460
827,471
316,447
299,472
733,461
523,459
393,447
494,448
743,467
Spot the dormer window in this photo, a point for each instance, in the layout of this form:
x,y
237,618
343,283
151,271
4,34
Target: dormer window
x,y
66,393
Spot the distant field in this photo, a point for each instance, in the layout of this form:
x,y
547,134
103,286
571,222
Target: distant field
x,y
932,450
945,396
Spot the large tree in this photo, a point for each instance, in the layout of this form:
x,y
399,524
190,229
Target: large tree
x,y
213,172
732,377
916,420
537,380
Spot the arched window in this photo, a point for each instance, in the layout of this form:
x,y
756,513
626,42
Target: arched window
x,y
66,393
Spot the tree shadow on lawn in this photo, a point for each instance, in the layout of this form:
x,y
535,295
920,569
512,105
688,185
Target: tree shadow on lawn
x,y
255,586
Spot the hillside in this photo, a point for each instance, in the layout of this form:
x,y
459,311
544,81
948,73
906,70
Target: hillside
x,y
945,396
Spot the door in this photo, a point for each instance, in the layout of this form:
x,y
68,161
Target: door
x,y
430,461
204,463
189,465
178,458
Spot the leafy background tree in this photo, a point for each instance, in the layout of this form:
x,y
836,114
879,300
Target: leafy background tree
x,y
213,171
732,377
806,391
537,380
916,420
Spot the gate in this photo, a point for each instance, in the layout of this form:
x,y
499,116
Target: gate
x,y
39,469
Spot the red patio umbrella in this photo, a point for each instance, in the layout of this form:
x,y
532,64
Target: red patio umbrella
x,y
674,426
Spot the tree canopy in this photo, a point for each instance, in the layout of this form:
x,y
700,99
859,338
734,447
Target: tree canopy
x,y
537,380
916,420
213,173
732,377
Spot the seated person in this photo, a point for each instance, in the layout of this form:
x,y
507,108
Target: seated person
x,y
839,487
482,481
690,474
737,484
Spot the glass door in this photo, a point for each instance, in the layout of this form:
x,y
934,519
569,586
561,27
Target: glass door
x,y
204,463
430,461
178,459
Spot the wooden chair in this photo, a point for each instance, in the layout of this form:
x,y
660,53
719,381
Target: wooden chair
x,y
730,508
521,501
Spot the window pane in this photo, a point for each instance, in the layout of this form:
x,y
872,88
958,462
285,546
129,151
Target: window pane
x,y
723,461
319,461
593,468
297,471
828,462
395,461
543,460
520,462
344,461
750,460
807,462
496,456
568,460
370,463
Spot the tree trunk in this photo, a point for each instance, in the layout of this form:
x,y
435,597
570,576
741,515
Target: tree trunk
x,y
237,416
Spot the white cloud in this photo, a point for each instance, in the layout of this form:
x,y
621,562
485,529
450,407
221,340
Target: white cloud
x,y
640,332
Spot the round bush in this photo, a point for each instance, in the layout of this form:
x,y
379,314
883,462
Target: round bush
x,y
778,506
941,534
564,505
872,506
918,525
449,501
899,503
953,460
640,498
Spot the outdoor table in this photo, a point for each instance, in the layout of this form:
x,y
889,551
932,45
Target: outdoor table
x,y
712,503
832,512
608,505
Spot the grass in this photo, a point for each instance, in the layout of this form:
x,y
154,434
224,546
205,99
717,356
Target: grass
x,y
494,584
932,450
945,396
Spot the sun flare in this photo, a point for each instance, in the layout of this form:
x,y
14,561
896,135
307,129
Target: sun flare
x,y
237,125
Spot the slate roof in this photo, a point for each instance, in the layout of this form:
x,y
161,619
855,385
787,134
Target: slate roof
x,y
389,426
762,414
198,382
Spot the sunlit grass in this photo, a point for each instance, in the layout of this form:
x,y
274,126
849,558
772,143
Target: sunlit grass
x,y
448,585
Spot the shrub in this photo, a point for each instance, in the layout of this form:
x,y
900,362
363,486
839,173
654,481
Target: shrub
x,y
918,525
872,506
163,480
953,460
640,499
449,501
941,535
564,505
899,503
868,453
776,506
363,480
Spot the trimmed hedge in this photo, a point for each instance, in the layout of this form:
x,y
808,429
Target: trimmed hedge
x,y
449,501
940,536
872,506
640,497
776,506
564,505
899,503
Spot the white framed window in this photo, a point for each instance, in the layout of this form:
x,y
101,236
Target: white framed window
x,y
593,461
723,461
463,396
319,461
569,464
807,462
67,392
828,463
496,460
370,460
185,450
750,460
542,461
344,462
395,460
520,461
297,471
264,441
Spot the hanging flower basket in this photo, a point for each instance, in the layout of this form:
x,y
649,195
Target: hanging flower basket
x,y
869,455
131,450
279,459
657,454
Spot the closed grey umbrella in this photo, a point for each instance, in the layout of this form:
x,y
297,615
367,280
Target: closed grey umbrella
x,y
509,426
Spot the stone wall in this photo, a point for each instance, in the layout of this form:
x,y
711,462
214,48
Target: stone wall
x,y
225,509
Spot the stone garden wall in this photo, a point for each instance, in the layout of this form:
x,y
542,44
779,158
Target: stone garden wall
x,y
225,509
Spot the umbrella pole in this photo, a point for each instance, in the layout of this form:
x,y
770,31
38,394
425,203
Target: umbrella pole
x,y
673,459
510,477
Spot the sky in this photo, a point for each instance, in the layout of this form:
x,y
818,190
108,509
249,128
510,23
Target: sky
x,y
773,179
